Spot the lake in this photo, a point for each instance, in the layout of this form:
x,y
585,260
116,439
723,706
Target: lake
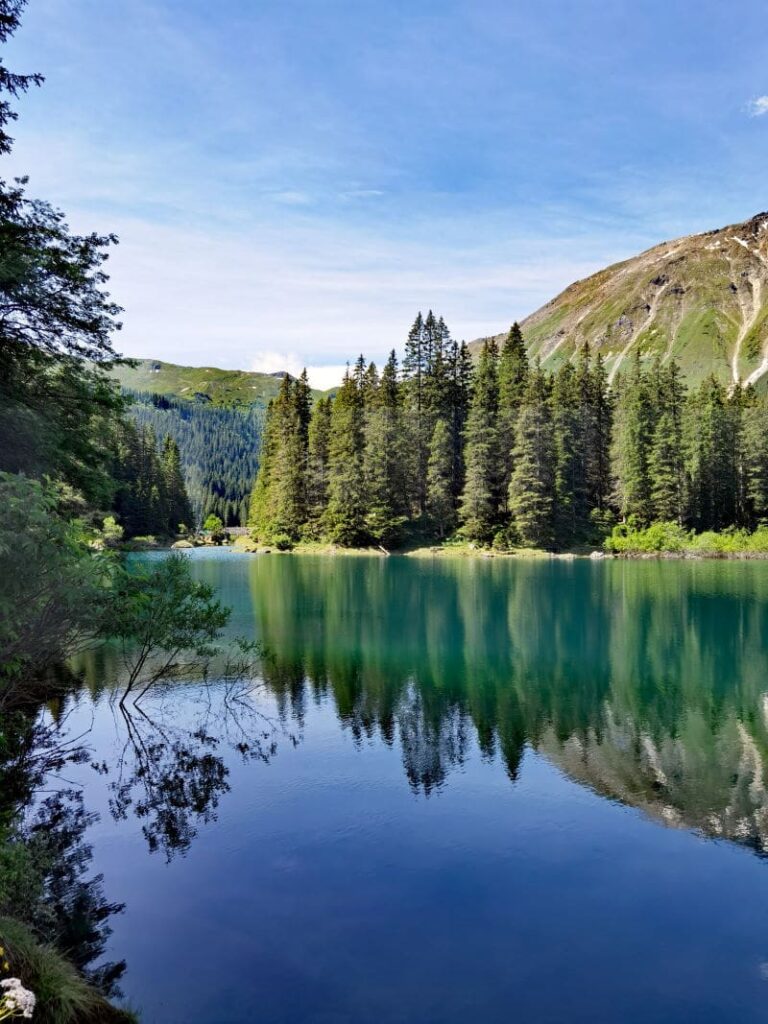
x,y
486,790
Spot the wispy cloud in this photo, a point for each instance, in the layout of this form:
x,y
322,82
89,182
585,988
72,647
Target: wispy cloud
x,y
758,107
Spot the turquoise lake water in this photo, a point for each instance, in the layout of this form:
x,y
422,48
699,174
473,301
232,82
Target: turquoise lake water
x,y
459,790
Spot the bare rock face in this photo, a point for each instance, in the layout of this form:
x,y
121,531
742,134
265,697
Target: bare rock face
x,y
702,299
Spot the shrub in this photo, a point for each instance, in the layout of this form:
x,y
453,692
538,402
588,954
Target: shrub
x,y
283,542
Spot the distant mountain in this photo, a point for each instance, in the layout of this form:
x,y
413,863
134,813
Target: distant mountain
x,y
201,383
702,299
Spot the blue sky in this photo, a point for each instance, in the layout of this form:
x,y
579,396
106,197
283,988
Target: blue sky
x,y
292,180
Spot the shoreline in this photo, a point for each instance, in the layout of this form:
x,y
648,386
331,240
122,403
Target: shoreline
x,y
246,546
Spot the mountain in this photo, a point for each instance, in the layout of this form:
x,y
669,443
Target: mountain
x,y
201,383
702,299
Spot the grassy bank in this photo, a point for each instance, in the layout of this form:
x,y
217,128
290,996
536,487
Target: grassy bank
x,y
660,540
448,549
63,996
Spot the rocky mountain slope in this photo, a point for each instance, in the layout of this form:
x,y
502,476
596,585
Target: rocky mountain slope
x,y
702,299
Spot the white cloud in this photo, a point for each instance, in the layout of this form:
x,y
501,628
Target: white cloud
x,y
322,377
759,106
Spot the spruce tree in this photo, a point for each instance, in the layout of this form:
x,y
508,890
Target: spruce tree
x,y
460,376
756,462
318,440
712,457
440,503
416,365
479,507
666,458
632,439
571,484
344,521
179,508
532,487
278,506
513,376
383,451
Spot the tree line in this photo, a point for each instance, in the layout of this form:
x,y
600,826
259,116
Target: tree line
x,y
219,450
150,494
501,452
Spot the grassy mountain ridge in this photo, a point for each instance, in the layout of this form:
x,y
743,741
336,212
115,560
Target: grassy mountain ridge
x,y
702,299
200,383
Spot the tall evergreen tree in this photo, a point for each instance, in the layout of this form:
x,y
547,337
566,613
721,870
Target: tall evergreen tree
x,y
666,458
460,376
345,515
278,506
479,508
383,456
318,445
533,484
513,376
416,365
712,457
440,503
633,435
571,483
756,462
179,508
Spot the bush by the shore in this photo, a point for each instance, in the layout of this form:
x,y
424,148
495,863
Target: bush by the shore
x,y
673,539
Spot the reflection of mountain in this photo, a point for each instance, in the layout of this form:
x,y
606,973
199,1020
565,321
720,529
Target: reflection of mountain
x,y
644,681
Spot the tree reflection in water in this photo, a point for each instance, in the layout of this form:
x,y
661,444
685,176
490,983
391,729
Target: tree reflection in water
x,y
171,772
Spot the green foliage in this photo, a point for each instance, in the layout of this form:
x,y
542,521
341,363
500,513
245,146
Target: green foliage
x,y
200,387
283,542
533,483
52,583
629,538
670,537
151,497
219,449
160,614
480,499
422,453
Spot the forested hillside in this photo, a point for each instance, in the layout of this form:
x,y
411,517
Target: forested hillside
x,y
506,453
219,450
199,383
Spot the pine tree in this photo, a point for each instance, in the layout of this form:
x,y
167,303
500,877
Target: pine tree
x,y
597,422
479,508
571,483
344,520
279,498
712,457
633,435
179,508
416,365
460,376
665,461
383,462
756,462
513,376
532,487
440,504
318,443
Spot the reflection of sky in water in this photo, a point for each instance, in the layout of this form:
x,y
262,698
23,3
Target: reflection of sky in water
x,y
437,843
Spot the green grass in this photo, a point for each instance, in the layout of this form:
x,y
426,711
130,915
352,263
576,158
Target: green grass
x,y
220,387
63,996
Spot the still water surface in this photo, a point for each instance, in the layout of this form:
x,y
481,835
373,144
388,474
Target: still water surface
x,y
482,791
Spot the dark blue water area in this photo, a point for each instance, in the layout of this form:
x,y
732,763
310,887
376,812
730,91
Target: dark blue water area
x,y
332,885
